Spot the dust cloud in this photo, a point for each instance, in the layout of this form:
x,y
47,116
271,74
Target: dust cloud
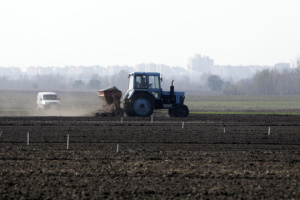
x,y
23,103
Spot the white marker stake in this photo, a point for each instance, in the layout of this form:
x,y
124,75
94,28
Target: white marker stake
x,y
121,119
182,125
117,148
224,130
68,139
269,131
151,118
27,138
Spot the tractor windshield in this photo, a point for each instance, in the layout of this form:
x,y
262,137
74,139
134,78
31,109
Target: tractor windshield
x,y
154,82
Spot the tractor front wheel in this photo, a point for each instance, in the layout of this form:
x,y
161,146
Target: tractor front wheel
x,y
142,105
118,112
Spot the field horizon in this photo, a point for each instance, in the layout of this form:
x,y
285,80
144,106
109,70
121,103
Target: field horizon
x,y
86,103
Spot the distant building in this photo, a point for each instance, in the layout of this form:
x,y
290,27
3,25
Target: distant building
x,y
111,70
149,67
201,64
165,70
39,70
11,72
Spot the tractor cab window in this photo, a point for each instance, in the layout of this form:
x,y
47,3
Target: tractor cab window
x,y
154,82
141,82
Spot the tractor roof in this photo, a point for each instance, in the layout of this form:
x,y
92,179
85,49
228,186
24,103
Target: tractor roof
x,y
145,73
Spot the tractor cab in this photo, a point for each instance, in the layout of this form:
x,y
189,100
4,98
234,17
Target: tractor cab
x,y
145,94
144,82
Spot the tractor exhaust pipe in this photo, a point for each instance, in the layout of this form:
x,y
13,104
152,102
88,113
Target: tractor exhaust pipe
x,y
172,88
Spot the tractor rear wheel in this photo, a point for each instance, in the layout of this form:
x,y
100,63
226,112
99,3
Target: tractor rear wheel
x,y
179,111
142,105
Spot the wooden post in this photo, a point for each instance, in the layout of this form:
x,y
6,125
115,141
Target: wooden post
x,y
28,138
68,140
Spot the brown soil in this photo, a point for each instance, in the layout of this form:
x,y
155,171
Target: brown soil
x,y
199,157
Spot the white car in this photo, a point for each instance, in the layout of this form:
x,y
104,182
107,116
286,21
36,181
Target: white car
x,y
47,100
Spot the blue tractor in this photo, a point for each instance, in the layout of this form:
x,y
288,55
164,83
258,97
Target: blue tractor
x,y
145,94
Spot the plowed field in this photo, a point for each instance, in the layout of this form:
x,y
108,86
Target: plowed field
x,y
199,157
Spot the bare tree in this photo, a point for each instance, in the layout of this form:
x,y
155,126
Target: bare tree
x,y
215,83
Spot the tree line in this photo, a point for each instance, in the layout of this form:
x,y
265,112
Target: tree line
x,y
268,82
265,82
93,83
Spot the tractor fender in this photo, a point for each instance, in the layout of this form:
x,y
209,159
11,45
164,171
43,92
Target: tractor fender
x,y
128,94
132,93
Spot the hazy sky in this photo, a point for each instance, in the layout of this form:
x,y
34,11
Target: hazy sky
x,y
129,32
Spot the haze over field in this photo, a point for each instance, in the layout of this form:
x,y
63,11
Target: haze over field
x,y
106,33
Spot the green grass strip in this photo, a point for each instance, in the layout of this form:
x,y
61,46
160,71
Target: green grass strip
x,y
244,113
